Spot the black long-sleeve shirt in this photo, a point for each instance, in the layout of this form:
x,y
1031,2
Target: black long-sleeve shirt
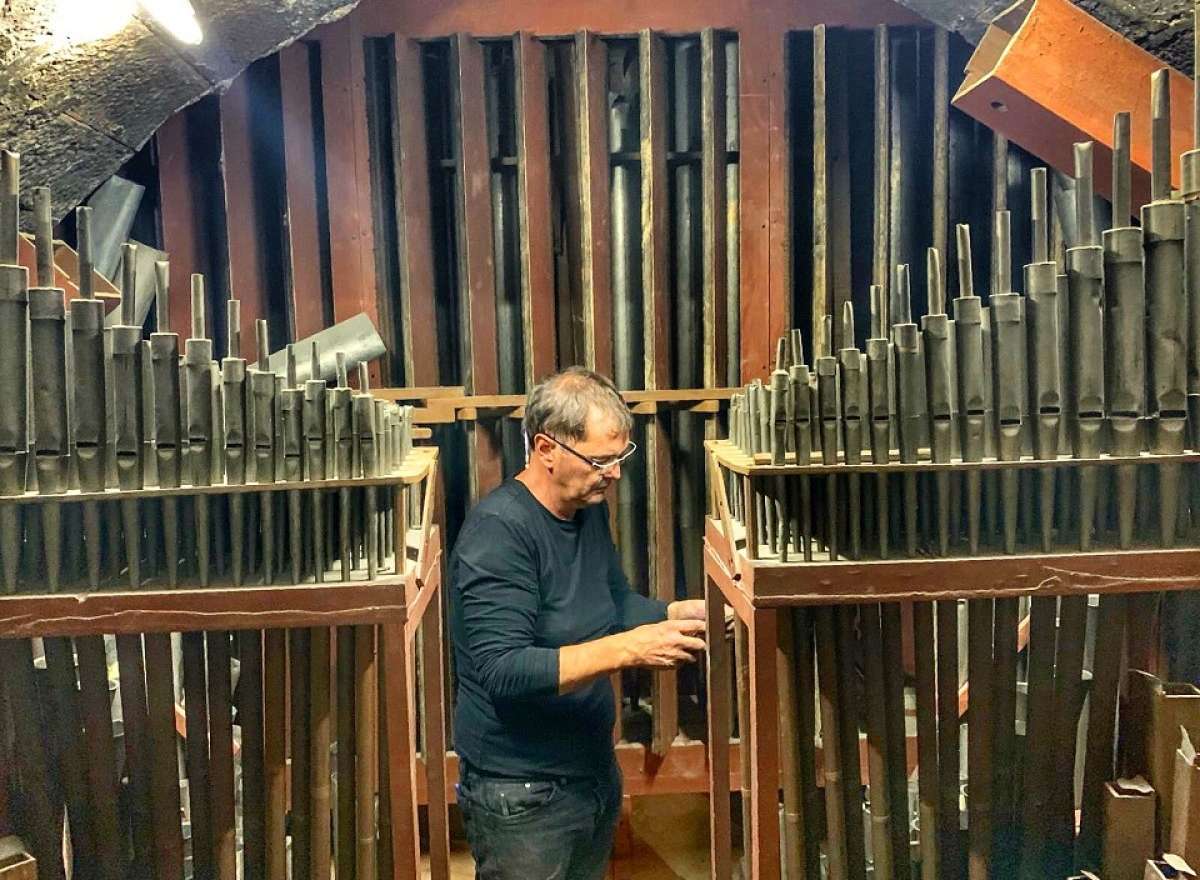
x,y
524,583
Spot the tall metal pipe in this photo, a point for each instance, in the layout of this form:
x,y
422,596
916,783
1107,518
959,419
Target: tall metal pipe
x,y
1163,234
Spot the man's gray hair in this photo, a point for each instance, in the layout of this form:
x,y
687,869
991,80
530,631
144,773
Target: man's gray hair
x,y
559,405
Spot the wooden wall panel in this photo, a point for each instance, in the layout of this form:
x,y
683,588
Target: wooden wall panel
x,y
419,18
347,164
660,471
591,71
245,263
178,210
754,223
412,209
476,254
302,237
537,266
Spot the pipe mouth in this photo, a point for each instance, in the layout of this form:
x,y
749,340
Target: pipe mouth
x,y
1091,414
1172,414
1049,411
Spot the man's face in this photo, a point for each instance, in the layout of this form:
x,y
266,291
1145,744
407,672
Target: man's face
x,y
579,482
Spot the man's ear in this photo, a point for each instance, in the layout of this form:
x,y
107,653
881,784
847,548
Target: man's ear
x,y
543,448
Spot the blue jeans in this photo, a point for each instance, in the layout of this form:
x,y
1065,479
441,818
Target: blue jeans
x,y
545,829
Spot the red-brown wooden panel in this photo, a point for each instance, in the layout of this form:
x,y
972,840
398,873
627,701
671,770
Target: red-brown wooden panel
x,y
591,71
175,187
477,257
655,206
754,138
347,170
476,254
779,216
420,18
537,261
303,245
417,317
660,501
245,258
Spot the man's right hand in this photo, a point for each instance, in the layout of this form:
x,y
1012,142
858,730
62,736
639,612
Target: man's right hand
x,y
663,645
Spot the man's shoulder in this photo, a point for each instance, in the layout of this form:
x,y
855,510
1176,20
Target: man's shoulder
x,y
505,502
498,514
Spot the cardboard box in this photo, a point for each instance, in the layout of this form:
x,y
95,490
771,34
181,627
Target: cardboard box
x,y
1157,711
1185,801
1129,809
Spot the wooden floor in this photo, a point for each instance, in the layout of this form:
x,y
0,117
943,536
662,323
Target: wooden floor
x,y
667,840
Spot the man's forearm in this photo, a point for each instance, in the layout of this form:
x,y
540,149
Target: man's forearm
x,y
581,664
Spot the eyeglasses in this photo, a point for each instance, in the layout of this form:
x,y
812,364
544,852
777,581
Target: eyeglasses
x,y
600,464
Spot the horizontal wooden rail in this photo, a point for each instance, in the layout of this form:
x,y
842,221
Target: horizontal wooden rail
x,y
448,405
768,583
759,464
145,611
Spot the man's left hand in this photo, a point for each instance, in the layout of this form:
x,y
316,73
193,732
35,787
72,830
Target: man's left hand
x,y
694,609
687,609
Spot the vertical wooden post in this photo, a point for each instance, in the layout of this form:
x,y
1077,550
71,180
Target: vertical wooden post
x,y
347,170
302,228
401,779
434,716
476,254
245,261
533,189
763,742
765,197
411,161
591,71
718,677
178,209
660,501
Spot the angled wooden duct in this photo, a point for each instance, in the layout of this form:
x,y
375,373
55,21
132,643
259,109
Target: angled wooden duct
x,y
1046,74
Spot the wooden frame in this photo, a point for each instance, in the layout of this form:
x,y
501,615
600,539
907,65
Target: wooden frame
x,y
394,606
759,590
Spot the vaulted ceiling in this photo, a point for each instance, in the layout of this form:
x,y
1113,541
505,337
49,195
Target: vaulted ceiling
x,y
77,110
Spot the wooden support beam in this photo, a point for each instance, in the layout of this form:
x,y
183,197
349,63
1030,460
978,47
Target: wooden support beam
x,y
411,169
302,227
246,262
476,254
764,756
719,678
660,500
186,610
533,193
347,170
401,746
765,198
591,72
176,197
433,714
1032,66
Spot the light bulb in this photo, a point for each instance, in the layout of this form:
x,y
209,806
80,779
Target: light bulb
x,y
81,21
177,17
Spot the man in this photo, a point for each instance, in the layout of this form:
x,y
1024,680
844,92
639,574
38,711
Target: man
x,y
541,615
